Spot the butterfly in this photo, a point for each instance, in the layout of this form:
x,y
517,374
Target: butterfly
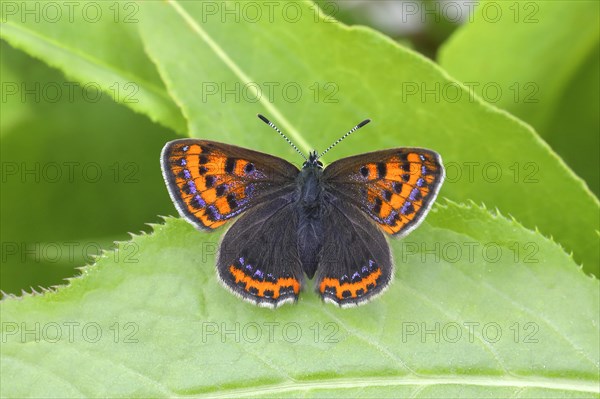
x,y
323,223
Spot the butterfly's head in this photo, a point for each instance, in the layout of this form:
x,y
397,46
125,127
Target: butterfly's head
x,y
313,161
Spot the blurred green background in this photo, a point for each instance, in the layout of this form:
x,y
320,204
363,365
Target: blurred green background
x,y
79,170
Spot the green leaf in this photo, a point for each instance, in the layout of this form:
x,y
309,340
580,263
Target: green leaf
x,y
543,57
573,128
14,110
97,44
480,307
317,88
78,172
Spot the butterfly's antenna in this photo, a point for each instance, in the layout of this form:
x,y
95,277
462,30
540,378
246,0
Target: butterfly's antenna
x,y
268,122
355,128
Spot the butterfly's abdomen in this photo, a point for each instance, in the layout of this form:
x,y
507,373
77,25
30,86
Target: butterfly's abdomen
x,y
310,208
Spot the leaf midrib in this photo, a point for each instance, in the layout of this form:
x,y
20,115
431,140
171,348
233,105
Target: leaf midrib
x,y
560,384
274,111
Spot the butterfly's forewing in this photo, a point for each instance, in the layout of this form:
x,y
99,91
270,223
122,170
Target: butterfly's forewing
x,y
211,182
355,264
258,258
396,187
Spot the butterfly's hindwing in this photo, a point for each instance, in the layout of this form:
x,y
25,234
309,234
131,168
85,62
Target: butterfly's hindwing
x,y
355,264
211,182
258,258
394,187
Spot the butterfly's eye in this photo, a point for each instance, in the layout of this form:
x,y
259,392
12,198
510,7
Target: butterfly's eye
x,y
320,164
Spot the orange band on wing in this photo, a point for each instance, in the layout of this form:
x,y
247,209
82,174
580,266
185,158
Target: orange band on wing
x,y
363,285
263,286
398,189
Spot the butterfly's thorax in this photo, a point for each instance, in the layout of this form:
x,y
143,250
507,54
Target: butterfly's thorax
x,y
310,190
310,208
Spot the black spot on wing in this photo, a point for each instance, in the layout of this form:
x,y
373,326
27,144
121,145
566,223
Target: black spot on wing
x,y
381,170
